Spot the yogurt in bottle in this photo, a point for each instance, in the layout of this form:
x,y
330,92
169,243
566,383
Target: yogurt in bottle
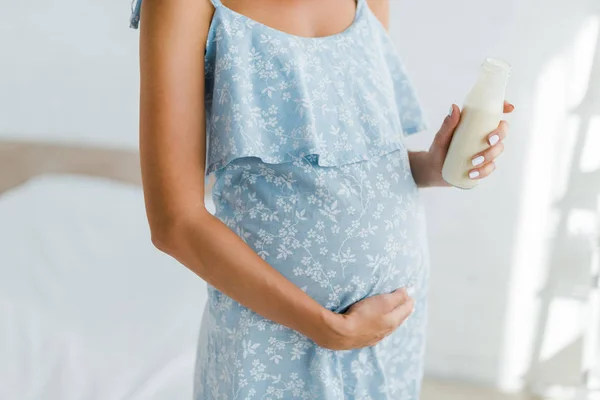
x,y
481,114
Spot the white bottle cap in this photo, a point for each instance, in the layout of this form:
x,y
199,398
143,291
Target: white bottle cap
x,y
496,65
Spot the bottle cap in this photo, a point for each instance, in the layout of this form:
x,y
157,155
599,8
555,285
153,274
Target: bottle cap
x,y
495,65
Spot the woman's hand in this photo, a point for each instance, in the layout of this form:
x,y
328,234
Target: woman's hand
x,y
483,162
367,322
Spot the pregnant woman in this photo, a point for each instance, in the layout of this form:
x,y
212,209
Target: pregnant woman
x,y
298,109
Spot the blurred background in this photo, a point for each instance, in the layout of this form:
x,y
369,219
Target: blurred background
x,y
90,310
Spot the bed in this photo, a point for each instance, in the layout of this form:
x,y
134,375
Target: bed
x,y
89,309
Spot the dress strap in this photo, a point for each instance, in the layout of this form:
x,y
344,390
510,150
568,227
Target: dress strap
x,y
134,20
136,8
359,6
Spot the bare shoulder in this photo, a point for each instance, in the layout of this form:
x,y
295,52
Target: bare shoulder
x,y
172,42
181,20
381,8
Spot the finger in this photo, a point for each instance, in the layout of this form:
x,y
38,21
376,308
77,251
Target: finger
x,y
499,134
376,340
451,121
488,155
508,107
448,126
396,298
482,172
394,318
393,300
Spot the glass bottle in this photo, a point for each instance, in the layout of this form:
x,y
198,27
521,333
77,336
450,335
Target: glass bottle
x,y
482,112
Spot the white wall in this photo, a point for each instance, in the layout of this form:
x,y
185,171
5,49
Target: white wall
x,y
68,72
468,229
474,233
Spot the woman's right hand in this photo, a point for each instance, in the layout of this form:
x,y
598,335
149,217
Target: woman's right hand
x,y
367,322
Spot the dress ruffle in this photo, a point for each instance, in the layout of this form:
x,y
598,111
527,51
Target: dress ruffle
x,y
342,98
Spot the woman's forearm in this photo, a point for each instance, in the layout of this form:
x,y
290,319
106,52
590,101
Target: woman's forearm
x,y
219,256
422,169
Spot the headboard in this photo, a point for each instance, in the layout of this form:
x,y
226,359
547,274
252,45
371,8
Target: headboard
x,y
23,160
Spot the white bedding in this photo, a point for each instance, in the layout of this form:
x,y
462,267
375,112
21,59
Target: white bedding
x,y
88,308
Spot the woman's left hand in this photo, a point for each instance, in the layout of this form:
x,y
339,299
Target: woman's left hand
x,y
483,162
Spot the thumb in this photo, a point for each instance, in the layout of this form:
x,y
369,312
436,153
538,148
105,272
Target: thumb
x,y
444,135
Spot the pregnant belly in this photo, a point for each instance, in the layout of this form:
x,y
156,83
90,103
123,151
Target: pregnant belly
x,y
339,233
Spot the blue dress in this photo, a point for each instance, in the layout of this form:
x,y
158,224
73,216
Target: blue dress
x,y
305,141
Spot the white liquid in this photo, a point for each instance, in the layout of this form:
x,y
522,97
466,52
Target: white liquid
x,y
470,138
480,116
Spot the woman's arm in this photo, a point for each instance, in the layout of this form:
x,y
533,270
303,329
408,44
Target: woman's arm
x,y
426,166
420,161
381,9
422,170
172,150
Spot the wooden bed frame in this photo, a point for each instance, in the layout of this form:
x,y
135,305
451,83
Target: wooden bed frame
x,y
23,160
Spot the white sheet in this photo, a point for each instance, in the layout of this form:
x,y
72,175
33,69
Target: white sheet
x,y
88,308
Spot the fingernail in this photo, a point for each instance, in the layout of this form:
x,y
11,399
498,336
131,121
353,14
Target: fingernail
x,y
478,160
451,111
473,174
494,139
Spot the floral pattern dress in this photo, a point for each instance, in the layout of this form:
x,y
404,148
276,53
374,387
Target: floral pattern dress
x,y
305,138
